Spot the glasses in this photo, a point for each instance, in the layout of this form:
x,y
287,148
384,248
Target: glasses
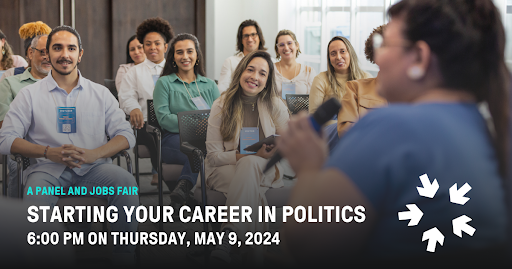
x,y
378,43
281,45
253,36
43,52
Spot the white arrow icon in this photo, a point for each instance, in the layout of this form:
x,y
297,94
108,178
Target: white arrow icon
x,y
428,190
457,196
433,235
460,225
414,214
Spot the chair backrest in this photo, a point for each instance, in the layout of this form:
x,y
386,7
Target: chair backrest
x,y
152,116
111,85
297,102
193,126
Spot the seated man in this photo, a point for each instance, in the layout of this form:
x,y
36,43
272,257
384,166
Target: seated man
x,y
63,121
10,86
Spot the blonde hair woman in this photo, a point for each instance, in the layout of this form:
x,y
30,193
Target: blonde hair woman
x,y
249,104
295,78
342,66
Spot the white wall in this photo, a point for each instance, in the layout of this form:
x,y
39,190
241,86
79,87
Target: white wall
x,y
222,20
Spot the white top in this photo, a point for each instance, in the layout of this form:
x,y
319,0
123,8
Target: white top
x,y
9,72
123,69
138,85
227,70
302,81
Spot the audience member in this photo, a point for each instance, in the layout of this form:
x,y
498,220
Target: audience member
x,y
134,56
294,77
431,127
250,105
7,59
73,151
342,66
361,95
27,32
139,82
9,88
248,39
182,87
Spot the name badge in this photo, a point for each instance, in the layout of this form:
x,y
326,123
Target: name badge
x,y
200,103
155,78
287,88
248,136
66,120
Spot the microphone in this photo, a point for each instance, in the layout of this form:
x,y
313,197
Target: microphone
x,y
323,114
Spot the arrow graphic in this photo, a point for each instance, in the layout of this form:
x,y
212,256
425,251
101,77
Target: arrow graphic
x,y
414,214
457,196
433,235
460,225
428,190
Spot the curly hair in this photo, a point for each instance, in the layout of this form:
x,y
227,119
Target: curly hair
x,y
368,44
157,25
7,61
32,29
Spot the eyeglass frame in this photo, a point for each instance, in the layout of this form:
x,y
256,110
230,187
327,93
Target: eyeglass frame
x,y
42,52
253,35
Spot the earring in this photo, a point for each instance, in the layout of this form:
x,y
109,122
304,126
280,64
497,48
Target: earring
x,y
173,64
415,72
197,62
3,51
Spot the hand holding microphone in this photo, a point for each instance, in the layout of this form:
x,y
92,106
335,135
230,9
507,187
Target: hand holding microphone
x,y
300,143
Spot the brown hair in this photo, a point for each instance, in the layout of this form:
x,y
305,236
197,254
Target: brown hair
x,y
232,109
292,35
157,25
354,71
458,28
7,61
170,65
368,44
239,37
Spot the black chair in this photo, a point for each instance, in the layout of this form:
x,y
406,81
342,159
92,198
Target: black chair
x,y
167,172
4,175
111,85
297,102
193,127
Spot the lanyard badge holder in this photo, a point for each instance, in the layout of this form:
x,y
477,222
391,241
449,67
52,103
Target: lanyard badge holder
x,y
155,78
198,101
66,117
249,136
287,88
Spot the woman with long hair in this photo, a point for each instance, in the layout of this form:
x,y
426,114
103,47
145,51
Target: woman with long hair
x,y
250,107
134,56
430,151
7,58
181,87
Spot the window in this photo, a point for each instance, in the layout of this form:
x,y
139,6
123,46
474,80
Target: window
x,y
317,21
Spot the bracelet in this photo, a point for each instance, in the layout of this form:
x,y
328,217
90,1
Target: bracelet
x,y
45,151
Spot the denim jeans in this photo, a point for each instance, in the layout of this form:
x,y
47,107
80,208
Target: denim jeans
x,y
101,175
331,132
171,154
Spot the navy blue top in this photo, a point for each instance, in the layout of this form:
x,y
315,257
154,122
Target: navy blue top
x,y
19,70
387,150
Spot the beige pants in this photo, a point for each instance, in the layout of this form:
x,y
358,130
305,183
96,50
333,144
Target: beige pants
x,y
244,184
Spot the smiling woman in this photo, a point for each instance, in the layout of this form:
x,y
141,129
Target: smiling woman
x,y
181,87
249,109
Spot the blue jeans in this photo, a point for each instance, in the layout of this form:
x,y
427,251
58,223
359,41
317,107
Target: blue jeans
x,y
171,154
101,175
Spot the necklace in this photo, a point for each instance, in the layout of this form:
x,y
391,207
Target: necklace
x,y
294,74
186,86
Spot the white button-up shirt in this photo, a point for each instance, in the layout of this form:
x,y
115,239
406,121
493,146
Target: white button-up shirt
x,y
33,115
227,70
138,85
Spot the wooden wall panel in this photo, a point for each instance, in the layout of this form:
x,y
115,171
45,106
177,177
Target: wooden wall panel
x,y
9,23
93,24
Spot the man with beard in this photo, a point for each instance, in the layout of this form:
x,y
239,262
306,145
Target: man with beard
x,y
10,86
63,121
